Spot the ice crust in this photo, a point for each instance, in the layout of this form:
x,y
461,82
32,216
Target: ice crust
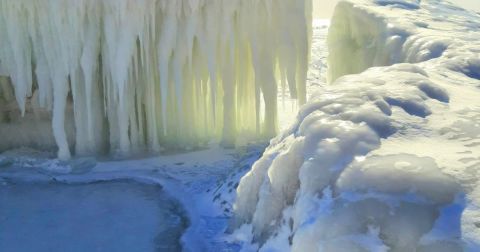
x,y
386,157
123,76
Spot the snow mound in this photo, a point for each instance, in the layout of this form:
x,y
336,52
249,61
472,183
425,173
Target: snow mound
x,y
386,174
382,160
361,39
124,76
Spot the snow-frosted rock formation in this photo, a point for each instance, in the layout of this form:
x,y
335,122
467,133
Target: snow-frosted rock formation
x,y
384,160
127,75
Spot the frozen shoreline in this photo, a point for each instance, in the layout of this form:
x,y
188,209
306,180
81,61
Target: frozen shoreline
x,y
193,179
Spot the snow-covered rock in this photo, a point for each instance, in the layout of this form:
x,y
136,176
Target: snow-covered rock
x,y
382,159
124,76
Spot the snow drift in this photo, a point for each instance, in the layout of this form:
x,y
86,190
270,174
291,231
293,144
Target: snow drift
x,y
382,160
130,75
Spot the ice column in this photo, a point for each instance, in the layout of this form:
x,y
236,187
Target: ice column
x,y
152,74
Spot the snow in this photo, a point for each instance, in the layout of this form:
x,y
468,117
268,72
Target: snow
x,y
122,77
386,157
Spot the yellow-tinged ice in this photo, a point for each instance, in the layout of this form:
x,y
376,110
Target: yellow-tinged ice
x,y
149,74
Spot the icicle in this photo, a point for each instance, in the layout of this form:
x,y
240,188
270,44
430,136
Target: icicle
x,y
140,74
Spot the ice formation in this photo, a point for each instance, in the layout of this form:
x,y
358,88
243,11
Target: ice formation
x,y
385,158
128,75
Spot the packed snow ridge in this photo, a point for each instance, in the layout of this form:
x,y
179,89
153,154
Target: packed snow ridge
x,y
122,76
386,158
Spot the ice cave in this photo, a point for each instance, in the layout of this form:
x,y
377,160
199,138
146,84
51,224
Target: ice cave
x,y
240,125
128,76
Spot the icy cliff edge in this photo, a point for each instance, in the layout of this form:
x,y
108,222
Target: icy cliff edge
x,y
386,157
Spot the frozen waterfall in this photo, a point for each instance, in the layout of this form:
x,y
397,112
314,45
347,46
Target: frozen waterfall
x,y
129,75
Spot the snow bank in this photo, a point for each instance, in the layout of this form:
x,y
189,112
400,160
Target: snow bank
x,y
381,160
361,39
128,75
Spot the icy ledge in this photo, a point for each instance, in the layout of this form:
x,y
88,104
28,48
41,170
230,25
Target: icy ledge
x,y
125,76
385,160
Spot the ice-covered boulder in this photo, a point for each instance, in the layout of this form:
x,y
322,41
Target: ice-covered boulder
x,y
386,157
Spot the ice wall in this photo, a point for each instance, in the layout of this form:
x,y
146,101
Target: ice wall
x,y
384,160
148,74
361,39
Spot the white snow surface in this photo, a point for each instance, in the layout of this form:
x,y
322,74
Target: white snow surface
x,y
123,76
386,157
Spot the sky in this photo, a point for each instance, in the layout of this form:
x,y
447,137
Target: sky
x,y
324,8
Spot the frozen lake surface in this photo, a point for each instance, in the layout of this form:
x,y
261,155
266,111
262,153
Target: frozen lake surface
x,y
104,216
